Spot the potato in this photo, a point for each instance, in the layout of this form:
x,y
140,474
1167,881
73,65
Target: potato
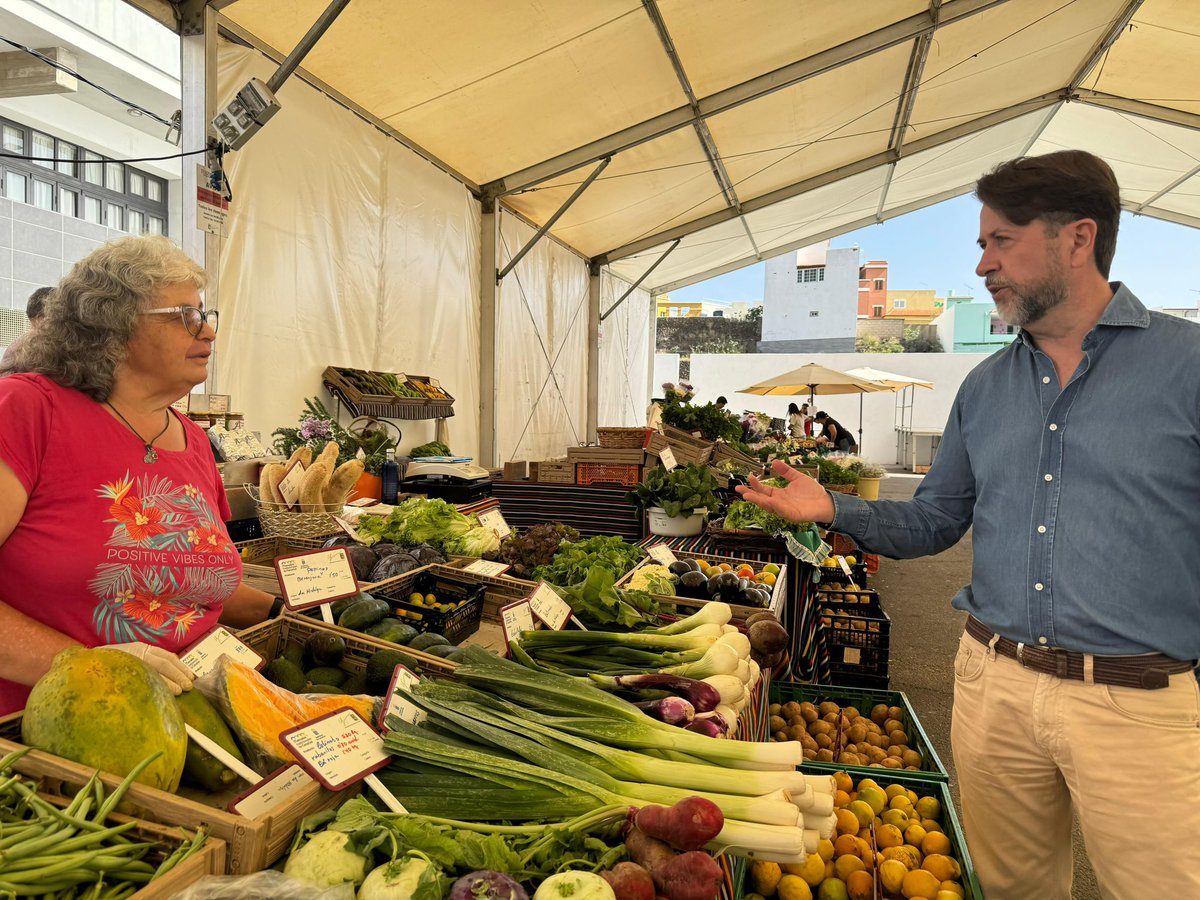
x,y
825,755
850,713
796,732
895,712
824,741
898,738
911,758
791,709
777,724
879,713
892,725
892,763
828,707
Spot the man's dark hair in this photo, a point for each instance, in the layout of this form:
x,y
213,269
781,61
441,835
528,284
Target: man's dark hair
x,y
35,305
821,416
1058,188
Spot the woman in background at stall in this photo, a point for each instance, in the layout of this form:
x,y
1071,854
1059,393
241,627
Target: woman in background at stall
x,y
112,512
835,434
795,421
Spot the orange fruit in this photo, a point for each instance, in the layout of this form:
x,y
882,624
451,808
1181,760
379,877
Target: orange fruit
x,y
860,886
935,842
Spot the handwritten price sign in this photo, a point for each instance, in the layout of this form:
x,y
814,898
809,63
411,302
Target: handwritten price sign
x,y
316,577
662,553
397,702
203,655
282,784
549,607
337,749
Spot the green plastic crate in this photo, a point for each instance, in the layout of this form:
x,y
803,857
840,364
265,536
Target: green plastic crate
x,y
864,699
950,824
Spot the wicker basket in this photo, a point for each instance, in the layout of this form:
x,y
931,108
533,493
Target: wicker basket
x,y
622,438
279,521
841,488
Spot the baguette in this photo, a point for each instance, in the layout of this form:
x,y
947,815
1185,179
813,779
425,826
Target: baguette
x,y
268,483
342,482
329,455
312,488
304,454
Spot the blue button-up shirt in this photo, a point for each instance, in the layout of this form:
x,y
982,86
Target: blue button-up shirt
x,y
1085,500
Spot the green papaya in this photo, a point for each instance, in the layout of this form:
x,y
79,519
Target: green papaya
x,y
200,767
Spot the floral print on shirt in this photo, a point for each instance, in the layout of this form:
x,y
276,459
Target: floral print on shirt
x,y
167,561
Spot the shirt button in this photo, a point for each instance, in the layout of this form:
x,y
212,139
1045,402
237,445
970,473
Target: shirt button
x,y
1038,586
1048,477
1041,529
1042,640
1053,427
1046,379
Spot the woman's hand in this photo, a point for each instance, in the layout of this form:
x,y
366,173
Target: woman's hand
x,y
803,500
164,662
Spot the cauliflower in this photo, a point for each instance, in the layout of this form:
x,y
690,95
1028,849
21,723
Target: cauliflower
x,y
653,580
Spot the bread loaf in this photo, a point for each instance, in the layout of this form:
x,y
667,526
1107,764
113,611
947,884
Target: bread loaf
x,y
329,455
342,482
268,483
304,454
312,488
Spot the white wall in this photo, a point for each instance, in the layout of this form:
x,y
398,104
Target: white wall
x,y
788,305
714,374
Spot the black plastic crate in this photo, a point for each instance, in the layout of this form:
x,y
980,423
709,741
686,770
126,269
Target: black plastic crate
x,y
857,637
863,598
458,624
834,574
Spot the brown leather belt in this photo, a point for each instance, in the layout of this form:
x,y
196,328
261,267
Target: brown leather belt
x,y
1149,671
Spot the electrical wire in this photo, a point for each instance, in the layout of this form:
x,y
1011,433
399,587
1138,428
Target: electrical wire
x,y
128,104
51,159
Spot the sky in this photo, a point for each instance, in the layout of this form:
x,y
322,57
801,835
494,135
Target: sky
x,y
934,248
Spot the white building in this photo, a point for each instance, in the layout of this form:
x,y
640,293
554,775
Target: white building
x,y
810,301
79,190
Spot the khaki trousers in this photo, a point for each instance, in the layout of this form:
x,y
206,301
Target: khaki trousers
x,y
1028,747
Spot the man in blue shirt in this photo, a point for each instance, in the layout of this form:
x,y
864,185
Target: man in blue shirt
x,y
1075,681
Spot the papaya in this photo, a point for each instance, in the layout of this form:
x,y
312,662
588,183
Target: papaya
x,y
105,709
257,710
200,767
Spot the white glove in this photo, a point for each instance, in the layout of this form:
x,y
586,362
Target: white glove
x,y
179,677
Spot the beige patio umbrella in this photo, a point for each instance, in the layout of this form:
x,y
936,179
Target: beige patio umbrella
x,y
814,379
899,383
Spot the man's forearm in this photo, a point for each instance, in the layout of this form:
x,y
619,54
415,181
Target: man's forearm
x,y
30,646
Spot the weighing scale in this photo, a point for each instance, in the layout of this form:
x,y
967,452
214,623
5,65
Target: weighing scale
x,y
451,478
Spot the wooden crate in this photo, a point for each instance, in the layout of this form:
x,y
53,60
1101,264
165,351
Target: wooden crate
x,y
555,471
687,452
606,456
250,844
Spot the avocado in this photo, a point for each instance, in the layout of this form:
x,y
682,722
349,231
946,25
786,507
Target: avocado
x,y
326,675
427,640
442,650
286,674
364,614
392,629
324,649
355,684
323,689
380,667
294,654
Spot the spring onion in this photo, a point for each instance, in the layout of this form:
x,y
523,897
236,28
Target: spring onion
x,y
714,612
719,659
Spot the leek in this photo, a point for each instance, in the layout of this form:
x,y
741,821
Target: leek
x,y
737,641
714,612
719,659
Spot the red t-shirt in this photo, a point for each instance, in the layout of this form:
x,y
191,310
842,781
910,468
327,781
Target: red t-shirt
x,y
111,548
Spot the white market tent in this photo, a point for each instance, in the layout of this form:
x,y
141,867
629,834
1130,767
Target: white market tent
x,y
733,132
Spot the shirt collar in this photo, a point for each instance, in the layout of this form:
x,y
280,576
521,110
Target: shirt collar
x,y
1123,310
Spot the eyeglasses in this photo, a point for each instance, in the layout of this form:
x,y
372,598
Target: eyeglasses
x,y
193,317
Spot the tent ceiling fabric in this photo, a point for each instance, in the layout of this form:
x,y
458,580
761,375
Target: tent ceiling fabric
x,y
495,89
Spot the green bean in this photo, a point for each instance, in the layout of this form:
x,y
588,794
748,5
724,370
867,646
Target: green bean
x,y
115,797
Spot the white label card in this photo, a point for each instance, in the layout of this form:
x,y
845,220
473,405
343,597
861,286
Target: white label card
x,y
662,553
667,455
316,577
202,657
494,519
852,656
516,618
276,788
218,403
549,607
487,567
337,749
397,703
364,501
289,485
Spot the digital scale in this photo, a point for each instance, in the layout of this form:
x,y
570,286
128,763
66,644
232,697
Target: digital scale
x,y
451,478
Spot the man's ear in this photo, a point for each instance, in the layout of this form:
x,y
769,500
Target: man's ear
x,y
1081,235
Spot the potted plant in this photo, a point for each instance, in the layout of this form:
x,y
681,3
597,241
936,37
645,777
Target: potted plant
x,y
869,476
836,477
676,502
368,442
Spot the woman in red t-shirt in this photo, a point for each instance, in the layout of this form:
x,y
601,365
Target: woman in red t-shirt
x,y
112,512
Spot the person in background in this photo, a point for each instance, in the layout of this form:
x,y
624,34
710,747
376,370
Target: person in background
x,y
835,434
806,412
35,309
1077,660
721,402
795,421
112,512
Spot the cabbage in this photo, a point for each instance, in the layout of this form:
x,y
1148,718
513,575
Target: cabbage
x,y
435,522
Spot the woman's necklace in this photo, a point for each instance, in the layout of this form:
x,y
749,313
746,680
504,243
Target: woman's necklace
x,y
151,454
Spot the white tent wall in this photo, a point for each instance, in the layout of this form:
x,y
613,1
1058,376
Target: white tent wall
x,y
541,346
624,346
343,248
713,374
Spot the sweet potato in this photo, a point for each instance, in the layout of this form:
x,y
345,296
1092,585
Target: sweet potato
x,y
630,881
689,876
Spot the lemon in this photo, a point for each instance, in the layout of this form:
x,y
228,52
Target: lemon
x,y
792,887
920,884
824,850
935,842
833,889
891,875
813,868
863,810
950,887
851,560
929,808
874,798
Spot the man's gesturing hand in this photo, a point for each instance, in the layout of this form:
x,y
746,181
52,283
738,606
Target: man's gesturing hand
x,y
803,500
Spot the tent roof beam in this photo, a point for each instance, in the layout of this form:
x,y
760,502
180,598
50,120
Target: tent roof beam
x,y
873,42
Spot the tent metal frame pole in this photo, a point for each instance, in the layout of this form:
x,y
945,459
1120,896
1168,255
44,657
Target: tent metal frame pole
x,y
1166,215
198,93
813,238
999,117
732,97
633,287
488,308
593,352
306,43
1110,37
1138,108
1190,173
549,223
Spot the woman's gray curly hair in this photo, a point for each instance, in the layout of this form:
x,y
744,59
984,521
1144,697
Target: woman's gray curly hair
x,y
91,318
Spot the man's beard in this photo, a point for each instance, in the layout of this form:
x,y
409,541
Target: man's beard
x,y
1029,302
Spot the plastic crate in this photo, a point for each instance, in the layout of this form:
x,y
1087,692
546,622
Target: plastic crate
x,y
842,593
456,625
857,637
863,700
607,473
834,575
842,544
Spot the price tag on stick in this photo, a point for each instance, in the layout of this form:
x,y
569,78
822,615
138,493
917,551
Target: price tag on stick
x,y
202,657
282,784
667,455
397,703
315,577
515,619
289,485
223,756
552,609
340,748
494,519
487,567
662,553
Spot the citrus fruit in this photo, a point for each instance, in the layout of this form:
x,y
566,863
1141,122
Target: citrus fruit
x,y
891,875
935,842
929,808
792,887
862,809
860,886
833,889
844,866
888,836
825,850
920,884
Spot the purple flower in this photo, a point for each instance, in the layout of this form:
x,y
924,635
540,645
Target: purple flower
x,y
313,429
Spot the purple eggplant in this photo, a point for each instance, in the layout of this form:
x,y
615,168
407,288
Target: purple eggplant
x,y
487,885
703,697
672,710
